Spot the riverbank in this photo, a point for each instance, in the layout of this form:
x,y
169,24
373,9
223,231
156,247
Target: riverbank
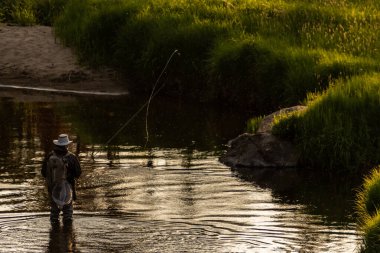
x,y
257,55
32,57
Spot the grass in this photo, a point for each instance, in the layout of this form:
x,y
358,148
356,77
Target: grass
x,y
371,230
367,205
254,124
30,12
338,132
256,54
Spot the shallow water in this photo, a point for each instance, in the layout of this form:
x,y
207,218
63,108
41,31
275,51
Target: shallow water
x,y
171,197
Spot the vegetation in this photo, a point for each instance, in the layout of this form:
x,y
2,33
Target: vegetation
x,y
30,12
339,132
367,204
254,124
254,53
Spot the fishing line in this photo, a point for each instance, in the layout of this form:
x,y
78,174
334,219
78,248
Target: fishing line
x,y
153,93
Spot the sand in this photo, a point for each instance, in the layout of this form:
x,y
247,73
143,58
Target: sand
x,y
32,57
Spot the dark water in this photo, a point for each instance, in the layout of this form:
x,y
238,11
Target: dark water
x,y
186,201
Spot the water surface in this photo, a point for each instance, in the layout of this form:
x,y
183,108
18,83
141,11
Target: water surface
x,y
170,196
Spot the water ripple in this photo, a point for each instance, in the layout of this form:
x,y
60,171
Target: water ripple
x,y
125,206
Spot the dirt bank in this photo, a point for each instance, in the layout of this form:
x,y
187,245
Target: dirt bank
x,y
32,57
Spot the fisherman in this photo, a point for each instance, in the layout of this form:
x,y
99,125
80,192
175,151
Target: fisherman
x,y
67,168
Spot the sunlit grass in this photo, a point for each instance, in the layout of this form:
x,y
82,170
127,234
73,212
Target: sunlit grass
x,y
30,12
368,201
254,124
367,205
258,53
371,229
338,132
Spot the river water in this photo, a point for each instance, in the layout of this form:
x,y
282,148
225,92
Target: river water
x,y
170,196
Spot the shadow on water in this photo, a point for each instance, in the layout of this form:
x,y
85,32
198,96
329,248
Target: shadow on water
x,y
334,200
171,123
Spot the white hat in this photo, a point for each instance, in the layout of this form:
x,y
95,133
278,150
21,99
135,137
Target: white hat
x,y
63,140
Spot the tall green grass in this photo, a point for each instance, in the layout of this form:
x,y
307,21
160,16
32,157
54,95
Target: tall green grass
x,y
30,12
367,205
257,54
339,132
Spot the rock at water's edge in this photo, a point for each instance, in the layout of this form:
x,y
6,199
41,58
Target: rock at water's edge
x,y
262,149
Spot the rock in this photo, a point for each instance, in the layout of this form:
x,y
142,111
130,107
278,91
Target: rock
x,y
262,149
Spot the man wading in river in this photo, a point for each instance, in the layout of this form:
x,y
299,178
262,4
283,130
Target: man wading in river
x,y
60,168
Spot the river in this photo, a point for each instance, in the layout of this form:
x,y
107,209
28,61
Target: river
x,y
168,195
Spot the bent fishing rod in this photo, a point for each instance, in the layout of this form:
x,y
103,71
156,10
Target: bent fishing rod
x,y
153,93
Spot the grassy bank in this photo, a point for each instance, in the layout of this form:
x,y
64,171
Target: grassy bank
x,y
257,54
339,131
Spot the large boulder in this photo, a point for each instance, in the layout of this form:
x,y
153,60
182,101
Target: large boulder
x,y
262,149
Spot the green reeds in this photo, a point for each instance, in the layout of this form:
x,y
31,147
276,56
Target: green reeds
x,y
254,124
256,53
367,205
30,12
338,133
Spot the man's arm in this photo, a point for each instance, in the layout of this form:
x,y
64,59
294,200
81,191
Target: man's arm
x,y
44,166
76,166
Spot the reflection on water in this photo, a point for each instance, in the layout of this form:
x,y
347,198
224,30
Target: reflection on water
x,y
172,197
62,239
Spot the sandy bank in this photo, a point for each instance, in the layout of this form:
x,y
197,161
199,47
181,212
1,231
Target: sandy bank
x,y
32,57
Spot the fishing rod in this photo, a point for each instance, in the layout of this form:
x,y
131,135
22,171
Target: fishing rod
x,y
153,93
